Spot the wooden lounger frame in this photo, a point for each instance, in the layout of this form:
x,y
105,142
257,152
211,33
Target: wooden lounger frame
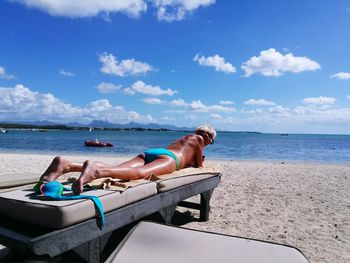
x,y
87,239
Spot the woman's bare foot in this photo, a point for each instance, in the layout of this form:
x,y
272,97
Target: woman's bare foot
x,y
57,167
89,173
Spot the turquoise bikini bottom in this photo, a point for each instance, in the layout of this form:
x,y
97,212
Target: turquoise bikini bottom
x,y
152,154
54,190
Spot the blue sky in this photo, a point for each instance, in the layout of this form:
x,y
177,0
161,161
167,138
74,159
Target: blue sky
x,y
269,66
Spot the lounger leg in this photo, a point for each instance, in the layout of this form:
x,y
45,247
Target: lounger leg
x,y
167,213
205,205
90,251
94,250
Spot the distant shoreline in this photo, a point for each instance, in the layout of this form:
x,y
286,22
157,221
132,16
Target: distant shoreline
x,y
62,127
35,127
26,127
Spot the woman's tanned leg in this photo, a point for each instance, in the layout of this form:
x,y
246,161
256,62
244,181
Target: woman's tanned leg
x,y
132,171
60,166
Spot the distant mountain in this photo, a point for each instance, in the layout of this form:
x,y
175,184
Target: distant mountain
x,y
36,123
76,124
102,124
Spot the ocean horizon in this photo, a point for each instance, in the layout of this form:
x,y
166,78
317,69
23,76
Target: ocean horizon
x,y
326,148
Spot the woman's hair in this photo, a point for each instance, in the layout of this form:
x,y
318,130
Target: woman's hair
x,y
208,129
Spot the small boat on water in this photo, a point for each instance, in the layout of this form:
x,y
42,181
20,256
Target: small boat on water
x,y
2,130
98,143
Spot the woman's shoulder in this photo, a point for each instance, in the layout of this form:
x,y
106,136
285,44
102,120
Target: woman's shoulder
x,y
193,136
193,139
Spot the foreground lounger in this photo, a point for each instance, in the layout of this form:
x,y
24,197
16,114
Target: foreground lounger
x,y
47,228
152,243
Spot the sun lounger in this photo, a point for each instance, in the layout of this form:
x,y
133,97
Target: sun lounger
x,y
152,243
35,226
16,179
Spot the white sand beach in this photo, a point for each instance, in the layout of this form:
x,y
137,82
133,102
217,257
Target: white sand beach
x,y
305,205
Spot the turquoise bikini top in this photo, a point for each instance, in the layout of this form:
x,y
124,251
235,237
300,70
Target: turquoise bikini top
x,y
54,191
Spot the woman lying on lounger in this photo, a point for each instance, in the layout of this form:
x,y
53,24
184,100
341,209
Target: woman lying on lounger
x,y
184,152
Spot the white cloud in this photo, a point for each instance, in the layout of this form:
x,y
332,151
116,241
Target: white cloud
x,y
178,103
152,101
22,104
105,87
278,109
319,100
218,108
167,118
111,66
129,91
327,115
252,111
66,73
167,10
216,116
348,97
215,61
4,75
86,8
300,119
198,106
175,10
143,88
341,75
226,102
272,63
260,102
191,117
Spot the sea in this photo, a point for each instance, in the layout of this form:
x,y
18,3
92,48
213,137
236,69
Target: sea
x,y
228,145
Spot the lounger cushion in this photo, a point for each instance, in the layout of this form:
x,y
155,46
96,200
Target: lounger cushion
x,y
17,179
185,176
153,243
24,205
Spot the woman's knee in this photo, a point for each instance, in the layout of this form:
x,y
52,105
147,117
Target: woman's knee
x,y
140,173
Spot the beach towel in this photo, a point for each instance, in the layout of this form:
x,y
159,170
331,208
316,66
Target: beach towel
x,y
114,184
